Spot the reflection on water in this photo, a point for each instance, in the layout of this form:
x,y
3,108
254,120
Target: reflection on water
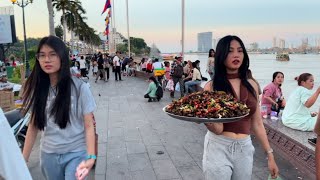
x,y
264,65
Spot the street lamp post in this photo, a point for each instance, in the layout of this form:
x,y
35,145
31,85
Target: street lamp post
x,y
23,4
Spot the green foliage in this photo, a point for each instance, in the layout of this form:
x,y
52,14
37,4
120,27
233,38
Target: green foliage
x,y
137,46
16,77
17,49
137,43
32,57
12,57
59,31
122,47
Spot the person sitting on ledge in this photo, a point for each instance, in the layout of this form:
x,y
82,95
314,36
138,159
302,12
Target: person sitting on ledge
x,y
196,79
272,97
296,114
151,92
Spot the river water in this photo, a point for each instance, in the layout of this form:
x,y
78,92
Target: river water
x,y
264,65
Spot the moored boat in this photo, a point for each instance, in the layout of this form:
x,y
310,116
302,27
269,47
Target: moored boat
x,y
168,57
283,57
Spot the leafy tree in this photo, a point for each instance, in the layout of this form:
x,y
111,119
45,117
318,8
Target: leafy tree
x,y
65,6
137,46
122,47
137,42
18,48
59,31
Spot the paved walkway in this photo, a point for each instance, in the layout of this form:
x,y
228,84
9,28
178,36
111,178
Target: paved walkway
x,y
137,141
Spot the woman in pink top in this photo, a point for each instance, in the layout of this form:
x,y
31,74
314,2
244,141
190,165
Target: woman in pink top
x,y
272,93
143,64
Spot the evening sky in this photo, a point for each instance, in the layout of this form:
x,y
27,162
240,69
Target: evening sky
x,y
159,21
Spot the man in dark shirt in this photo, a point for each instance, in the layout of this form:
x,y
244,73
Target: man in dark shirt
x,y
176,74
101,68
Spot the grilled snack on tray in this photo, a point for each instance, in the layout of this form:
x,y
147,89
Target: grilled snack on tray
x,y
208,104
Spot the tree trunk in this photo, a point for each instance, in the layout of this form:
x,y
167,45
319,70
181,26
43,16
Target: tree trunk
x,y
72,40
51,18
64,26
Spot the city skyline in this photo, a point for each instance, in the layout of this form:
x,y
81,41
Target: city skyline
x,y
159,22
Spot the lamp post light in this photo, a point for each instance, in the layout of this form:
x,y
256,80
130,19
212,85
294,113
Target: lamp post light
x,y
23,4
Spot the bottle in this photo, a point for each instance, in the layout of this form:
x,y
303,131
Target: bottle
x,y
273,115
264,111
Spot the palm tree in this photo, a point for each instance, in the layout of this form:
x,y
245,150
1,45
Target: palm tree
x,y
73,19
51,20
64,6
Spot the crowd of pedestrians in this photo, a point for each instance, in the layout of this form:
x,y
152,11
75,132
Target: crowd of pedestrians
x,y
68,149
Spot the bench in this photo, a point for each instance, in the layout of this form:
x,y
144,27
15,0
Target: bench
x,y
142,74
293,145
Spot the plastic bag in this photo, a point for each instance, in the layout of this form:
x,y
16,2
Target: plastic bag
x,y
178,86
170,85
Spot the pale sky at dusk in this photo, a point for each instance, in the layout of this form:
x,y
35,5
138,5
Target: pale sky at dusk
x,y
159,21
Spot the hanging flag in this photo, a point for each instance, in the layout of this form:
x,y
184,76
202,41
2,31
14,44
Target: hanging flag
x,y
106,20
106,32
109,12
106,6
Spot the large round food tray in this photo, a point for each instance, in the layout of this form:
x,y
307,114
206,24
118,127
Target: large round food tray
x,y
204,120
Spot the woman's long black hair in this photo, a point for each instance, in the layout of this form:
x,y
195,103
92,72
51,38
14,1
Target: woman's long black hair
x,y
37,87
211,50
220,81
154,80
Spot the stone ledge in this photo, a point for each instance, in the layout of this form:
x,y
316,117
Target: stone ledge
x,y
142,74
292,145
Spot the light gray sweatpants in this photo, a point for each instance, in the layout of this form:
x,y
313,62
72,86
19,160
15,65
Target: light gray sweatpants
x,y
226,158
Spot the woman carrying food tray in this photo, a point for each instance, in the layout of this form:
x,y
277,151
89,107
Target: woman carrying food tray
x,y
228,150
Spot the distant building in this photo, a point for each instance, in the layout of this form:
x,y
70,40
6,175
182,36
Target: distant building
x,y
204,41
214,45
119,38
282,43
274,42
304,43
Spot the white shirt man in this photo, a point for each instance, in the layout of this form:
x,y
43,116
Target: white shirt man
x,y
116,60
116,64
82,63
157,65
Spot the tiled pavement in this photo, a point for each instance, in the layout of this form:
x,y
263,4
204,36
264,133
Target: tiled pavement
x,y
137,141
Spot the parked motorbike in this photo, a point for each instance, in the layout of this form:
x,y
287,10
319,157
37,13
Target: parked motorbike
x,y
19,125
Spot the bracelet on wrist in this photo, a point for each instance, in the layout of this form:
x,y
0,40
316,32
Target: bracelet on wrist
x,y
270,151
91,156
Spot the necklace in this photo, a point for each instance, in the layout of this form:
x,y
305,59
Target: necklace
x,y
233,76
54,90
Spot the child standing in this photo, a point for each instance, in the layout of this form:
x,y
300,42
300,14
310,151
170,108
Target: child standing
x,y
95,67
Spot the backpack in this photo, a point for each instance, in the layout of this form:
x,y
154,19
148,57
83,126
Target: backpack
x,y
159,92
178,71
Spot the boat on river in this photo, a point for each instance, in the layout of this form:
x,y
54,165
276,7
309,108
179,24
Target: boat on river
x,y
168,57
282,57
